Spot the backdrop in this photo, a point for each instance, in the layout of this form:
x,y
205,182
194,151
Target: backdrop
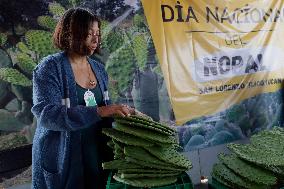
x,y
220,62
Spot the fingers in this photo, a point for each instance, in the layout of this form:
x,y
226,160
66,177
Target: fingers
x,y
131,110
121,113
119,110
126,110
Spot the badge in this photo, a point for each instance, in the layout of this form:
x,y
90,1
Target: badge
x,y
106,97
89,98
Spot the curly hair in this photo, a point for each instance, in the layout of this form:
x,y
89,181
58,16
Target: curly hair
x,y
72,30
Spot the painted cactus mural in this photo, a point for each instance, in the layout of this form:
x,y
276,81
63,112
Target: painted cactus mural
x,y
126,46
135,76
16,76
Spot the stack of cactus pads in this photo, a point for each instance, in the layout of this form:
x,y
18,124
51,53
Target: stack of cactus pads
x,y
145,152
258,165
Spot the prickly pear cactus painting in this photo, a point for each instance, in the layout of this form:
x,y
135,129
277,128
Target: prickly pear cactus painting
x,y
131,64
16,72
237,122
135,77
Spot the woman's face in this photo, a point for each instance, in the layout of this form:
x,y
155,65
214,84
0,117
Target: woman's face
x,y
92,40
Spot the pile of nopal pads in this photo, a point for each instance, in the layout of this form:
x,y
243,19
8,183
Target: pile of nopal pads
x,y
258,165
145,152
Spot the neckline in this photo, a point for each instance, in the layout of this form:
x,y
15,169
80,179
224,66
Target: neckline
x,y
86,88
70,73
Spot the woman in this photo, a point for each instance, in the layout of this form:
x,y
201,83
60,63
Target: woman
x,y
71,105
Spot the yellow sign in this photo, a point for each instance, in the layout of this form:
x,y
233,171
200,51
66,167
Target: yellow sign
x,y
215,54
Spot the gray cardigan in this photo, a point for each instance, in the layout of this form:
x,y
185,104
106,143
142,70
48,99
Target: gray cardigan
x,y
58,114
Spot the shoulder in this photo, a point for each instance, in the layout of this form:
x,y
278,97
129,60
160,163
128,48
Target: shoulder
x,y
49,63
99,66
97,63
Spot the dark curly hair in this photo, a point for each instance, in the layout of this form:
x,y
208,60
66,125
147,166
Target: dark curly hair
x,y
72,30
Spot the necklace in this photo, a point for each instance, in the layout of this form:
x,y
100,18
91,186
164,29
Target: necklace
x,y
91,82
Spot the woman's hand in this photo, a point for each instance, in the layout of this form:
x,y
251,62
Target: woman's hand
x,y
115,109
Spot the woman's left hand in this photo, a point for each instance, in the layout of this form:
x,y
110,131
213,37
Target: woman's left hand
x,y
129,109
115,109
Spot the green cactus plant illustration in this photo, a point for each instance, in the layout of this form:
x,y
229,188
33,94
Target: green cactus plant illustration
x,y
125,47
40,42
47,22
74,2
16,77
13,76
127,50
139,21
56,9
25,63
23,48
115,39
120,65
140,50
3,39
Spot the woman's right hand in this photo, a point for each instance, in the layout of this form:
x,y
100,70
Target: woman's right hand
x,y
115,109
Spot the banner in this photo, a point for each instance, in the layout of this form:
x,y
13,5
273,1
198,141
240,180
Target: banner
x,y
215,54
